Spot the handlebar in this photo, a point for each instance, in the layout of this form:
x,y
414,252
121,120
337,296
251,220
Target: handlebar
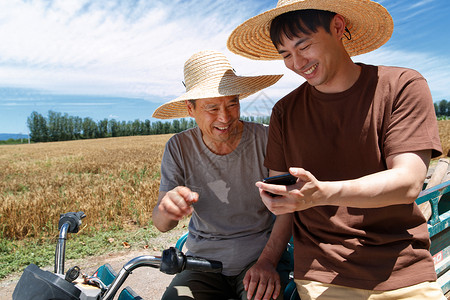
x,y
203,265
35,281
68,223
172,261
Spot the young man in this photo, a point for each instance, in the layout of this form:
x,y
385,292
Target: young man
x,y
210,171
359,138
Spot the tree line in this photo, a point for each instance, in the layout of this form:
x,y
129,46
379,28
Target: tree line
x,y
442,109
63,127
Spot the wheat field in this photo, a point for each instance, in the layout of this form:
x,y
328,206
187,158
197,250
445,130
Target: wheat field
x,y
115,181
444,134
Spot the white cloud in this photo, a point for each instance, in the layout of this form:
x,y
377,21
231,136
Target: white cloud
x,y
138,48
132,48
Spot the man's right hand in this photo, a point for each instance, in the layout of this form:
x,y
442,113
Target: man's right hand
x,y
177,203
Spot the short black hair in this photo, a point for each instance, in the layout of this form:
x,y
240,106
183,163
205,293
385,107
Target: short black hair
x,y
305,21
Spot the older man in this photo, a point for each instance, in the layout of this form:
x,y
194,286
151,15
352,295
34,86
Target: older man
x,y
209,171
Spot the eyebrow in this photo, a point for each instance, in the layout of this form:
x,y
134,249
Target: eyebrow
x,y
300,41
209,106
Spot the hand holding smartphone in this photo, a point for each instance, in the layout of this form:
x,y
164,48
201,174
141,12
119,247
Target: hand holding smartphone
x,y
283,179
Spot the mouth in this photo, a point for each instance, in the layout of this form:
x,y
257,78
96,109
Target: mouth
x,y
224,128
310,70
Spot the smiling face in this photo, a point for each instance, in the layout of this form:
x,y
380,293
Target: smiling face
x,y
319,56
218,120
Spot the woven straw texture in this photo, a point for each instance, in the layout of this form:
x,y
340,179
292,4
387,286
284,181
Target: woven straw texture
x,y
369,23
208,74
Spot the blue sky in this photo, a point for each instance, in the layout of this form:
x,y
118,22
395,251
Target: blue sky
x,y
121,58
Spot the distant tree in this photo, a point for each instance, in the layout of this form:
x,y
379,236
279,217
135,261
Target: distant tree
x,y
68,128
183,124
55,126
192,123
176,126
136,127
37,125
113,128
89,128
147,127
102,129
166,127
77,127
443,108
157,127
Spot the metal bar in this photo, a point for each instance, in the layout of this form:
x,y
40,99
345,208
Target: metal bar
x,y
433,192
140,261
61,249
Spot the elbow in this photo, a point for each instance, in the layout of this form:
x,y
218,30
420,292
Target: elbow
x,y
413,191
157,222
161,222
160,228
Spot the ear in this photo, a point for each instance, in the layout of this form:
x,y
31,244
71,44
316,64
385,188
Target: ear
x,y
190,108
337,26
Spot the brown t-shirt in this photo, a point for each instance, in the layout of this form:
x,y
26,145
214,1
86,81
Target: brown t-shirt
x,y
345,136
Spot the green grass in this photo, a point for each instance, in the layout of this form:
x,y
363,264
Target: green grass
x,y
16,255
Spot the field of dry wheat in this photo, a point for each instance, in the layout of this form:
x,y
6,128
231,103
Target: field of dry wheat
x,y
114,181
444,134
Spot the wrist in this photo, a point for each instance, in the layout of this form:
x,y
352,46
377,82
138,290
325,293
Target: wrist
x,y
268,259
333,192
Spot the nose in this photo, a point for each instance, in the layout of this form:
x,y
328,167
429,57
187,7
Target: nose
x,y
299,61
224,115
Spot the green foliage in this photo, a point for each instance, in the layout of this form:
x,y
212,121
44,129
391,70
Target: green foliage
x,y
442,109
62,127
14,141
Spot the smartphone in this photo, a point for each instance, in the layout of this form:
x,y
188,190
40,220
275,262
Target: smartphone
x,y
283,179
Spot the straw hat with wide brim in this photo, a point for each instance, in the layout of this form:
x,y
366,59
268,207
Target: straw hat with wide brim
x,y
208,74
369,23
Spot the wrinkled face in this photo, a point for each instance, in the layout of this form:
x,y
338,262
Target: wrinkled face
x,y
313,56
217,118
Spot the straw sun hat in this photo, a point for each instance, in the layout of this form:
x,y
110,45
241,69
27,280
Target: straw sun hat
x,y
369,23
208,74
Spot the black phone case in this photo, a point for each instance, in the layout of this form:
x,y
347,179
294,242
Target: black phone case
x,y
283,179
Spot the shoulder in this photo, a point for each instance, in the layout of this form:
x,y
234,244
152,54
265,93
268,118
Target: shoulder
x,y
256,130
293,97
399,72
183,138
393,74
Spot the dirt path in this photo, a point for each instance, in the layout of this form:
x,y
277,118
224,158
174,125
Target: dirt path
x,y
149,283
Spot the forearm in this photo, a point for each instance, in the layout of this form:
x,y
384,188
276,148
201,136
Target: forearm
x,y
398,185
160,219
161,222
281,233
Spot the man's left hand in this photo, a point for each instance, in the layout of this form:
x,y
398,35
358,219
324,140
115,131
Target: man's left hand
x,y
263,279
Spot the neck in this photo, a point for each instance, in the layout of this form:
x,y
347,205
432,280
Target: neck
x,y
344,78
